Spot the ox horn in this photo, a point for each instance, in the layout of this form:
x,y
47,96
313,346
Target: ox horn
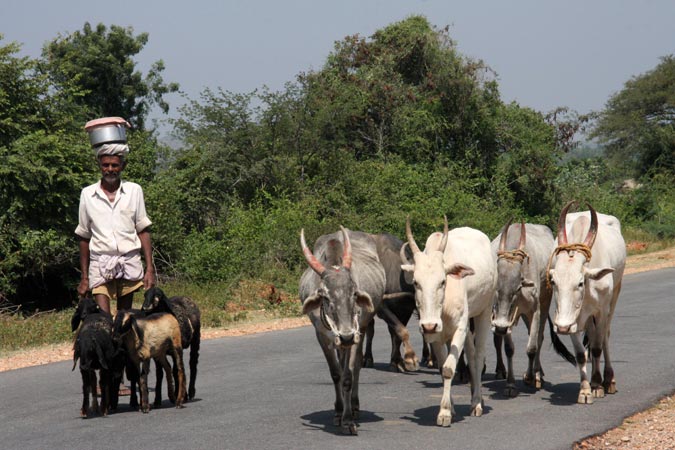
x,y
523,235
593,231
309,256
502,241
411,240
562,232
347,252
444,241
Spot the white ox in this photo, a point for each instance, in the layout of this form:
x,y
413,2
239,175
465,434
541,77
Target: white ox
x,y
446,300
586,272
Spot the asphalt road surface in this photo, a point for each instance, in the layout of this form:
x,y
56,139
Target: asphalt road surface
x,y
273,391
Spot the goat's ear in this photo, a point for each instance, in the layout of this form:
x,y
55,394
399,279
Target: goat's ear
x,y
76,319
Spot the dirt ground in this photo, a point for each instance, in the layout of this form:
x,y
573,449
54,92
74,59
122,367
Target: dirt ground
x,y
652,429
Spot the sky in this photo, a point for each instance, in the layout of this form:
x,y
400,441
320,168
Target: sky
x,y
574,53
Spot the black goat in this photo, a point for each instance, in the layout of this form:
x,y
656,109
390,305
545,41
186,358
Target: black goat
x,y
94,347
186,311
152,337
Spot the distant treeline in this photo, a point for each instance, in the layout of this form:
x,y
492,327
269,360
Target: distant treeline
x,y
396,124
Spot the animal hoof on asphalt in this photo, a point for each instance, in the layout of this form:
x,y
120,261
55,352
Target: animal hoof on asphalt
x,y
610,388
444,419
598,392
511,391
585,398
538,381
350,429
411,365
337,419
477,411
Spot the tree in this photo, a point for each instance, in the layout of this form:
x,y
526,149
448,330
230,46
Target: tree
x,y
100,62
637,125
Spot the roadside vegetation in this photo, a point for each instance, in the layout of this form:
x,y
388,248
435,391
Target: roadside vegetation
x,y
395,124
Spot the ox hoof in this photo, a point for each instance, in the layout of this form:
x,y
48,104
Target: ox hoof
x,y
444,419
368,362
511,391
191,394
585,398
337,419
350,429
598,392
477,411
411,365
610,388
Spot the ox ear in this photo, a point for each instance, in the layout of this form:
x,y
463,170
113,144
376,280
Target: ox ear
x,y
459,271
364,301
596,274
312,302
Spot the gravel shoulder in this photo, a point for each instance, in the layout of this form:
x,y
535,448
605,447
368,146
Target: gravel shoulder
x,y
649,429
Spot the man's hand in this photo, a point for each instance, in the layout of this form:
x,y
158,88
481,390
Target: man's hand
x,y
83,287
149,279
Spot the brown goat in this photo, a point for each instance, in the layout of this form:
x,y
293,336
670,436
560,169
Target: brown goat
x,y
152,337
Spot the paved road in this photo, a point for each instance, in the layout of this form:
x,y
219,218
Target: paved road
x,y
273,391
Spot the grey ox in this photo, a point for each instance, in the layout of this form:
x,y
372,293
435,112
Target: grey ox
x,y
522,252
446,300
586,272
340,292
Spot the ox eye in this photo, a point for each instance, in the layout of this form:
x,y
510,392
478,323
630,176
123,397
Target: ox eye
x,y
581,284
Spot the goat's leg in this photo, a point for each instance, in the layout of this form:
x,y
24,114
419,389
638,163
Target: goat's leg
x,y
104,382
143,382
159,373
180,381
163,363
86,387
194,359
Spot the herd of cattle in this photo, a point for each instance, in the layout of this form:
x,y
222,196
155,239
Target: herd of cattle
x,y
462,286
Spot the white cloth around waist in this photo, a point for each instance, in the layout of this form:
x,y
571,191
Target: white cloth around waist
x,y
104,268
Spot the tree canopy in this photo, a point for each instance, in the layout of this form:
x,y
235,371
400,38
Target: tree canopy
x,y
637,126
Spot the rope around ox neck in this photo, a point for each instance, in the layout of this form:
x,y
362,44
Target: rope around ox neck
x,y
514,255
581,248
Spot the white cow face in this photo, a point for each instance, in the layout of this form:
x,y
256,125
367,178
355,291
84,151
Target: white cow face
x,y
569,279
430,276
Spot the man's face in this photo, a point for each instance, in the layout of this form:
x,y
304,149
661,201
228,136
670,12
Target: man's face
x,y
111,168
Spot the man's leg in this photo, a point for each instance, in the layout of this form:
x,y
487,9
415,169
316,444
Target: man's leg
x,y
103,302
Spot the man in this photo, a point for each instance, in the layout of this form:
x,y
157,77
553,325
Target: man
x,y
113,231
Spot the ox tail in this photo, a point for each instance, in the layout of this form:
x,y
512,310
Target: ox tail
x,y
558,345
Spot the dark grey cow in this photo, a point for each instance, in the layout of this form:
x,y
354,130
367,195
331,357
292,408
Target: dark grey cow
x,y
522,252
340,292
397,307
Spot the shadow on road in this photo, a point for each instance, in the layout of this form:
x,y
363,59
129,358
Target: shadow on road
x,y
323,420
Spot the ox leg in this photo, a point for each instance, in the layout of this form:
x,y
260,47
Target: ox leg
x,y
447,410
335,373
428,359
596,334
534,376
476,359
347,361
609,382
409,360
500,369
511,389
368,360
585,393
